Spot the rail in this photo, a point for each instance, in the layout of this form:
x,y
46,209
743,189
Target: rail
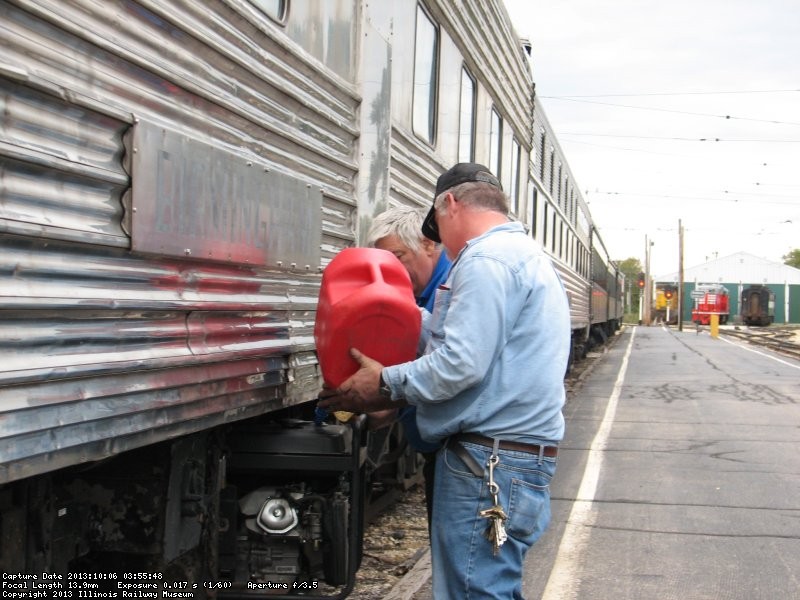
x,y
777,339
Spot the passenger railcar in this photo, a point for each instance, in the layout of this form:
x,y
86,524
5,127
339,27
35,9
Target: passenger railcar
x,y
559,218
758,305
608,283
175,176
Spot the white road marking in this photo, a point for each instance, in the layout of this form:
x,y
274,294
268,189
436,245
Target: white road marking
x,y
563,583
775,358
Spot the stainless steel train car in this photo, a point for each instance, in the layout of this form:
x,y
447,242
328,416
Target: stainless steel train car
x,y
175,177
559,219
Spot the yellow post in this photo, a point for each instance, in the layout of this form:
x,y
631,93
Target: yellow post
x,y
714,326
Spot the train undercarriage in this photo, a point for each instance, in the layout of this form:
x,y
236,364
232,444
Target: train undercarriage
x,y
270,501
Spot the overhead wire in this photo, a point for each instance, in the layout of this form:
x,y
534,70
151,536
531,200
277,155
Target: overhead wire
x,y
744,200
668,110
678,139
791,200
645,94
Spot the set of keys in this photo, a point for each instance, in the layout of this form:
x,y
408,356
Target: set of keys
x,y
496,531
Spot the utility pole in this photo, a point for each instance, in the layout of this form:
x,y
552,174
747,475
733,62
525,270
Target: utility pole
x,y
648,284
680,275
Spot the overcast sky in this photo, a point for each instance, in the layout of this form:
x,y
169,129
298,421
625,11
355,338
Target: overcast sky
x,y
632,87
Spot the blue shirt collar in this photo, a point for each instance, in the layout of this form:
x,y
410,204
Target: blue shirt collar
x,y
439,275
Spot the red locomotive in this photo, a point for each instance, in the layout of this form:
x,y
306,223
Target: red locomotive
x,y
710,299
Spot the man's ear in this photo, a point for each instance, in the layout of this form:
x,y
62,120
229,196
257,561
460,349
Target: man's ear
x,y
428,246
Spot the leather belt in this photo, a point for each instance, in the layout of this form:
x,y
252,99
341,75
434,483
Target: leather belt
x,y
476,438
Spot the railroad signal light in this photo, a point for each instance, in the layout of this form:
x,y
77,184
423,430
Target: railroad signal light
x,y
668,294
640,281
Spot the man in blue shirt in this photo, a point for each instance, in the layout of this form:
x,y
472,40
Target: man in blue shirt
x,y
399,231
490,386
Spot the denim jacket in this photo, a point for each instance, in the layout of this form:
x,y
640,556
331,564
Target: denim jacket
x,y
495,347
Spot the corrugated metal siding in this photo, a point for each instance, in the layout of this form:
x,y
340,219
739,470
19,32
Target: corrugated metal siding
x,y
794,304
740,267
62,175
540,121
64,422
495,55
578,287
413,172
102,350
578,293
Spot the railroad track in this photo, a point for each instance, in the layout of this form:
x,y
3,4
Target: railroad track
x,y
781,340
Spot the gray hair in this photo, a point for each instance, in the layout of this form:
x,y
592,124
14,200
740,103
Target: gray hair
x,y
403,221
476,195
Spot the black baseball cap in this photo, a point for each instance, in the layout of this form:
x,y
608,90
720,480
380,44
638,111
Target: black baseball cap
x,y
460,173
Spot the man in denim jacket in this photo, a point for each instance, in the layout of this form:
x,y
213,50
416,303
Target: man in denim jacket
x,y
490,386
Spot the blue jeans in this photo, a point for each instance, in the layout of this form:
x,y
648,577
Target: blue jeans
x,y
462,560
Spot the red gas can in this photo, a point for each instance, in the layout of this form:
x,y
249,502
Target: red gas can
x,y
366,302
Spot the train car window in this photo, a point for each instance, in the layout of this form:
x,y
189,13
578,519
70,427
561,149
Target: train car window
x,y
558,195
534,214
572,205
544,225
571,249
513,192
274,9
466,125
554,235
567,211
587,263
541,151
570,253
583,221
426,55
495,141
575,252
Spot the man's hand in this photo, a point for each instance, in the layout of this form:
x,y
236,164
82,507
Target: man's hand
x,y
359,393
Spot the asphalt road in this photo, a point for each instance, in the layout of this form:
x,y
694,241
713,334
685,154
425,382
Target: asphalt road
x,y
679,476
